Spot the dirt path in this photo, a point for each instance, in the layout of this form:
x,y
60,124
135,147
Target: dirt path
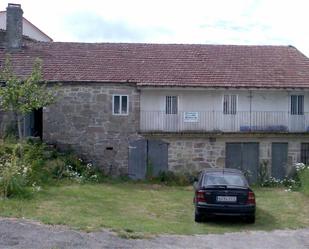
x,y
19,233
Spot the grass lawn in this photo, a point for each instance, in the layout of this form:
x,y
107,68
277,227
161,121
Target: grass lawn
x,y
144,209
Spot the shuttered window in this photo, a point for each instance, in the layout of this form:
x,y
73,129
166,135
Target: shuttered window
x,y
120,105
297,104
171,105
229,104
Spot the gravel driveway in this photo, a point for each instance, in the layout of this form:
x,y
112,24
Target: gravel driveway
x,y
19,233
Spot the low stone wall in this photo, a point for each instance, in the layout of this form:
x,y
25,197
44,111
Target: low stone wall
x,y
82,119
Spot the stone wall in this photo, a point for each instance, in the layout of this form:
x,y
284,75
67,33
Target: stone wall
x,y
6,123
82,119
194,153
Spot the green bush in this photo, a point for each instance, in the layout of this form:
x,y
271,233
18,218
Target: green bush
x,y
76,169
26,166
289,183
34,154
303,177
49,164
10,132
13,175
299,181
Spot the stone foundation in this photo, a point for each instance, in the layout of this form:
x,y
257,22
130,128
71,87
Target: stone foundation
x,y
194,153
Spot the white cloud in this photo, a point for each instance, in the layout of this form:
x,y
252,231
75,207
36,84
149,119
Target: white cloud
x,y
196,21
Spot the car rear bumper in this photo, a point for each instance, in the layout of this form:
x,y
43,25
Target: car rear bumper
x,y
228,210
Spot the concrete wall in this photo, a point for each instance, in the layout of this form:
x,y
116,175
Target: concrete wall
x,y
82,120
212,100
196,152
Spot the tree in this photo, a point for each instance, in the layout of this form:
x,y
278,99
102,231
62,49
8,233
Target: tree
x,y
22,96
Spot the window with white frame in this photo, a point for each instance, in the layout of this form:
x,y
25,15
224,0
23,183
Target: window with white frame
x,y
171,105
297,104
120,104
229,104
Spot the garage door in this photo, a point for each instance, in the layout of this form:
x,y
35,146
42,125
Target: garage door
x,y
279,160
158,156
243,156
147,155
137,159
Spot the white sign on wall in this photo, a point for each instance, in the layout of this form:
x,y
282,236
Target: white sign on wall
x,y
190,117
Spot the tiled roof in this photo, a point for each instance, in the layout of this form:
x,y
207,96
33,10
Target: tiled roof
x,y
166,64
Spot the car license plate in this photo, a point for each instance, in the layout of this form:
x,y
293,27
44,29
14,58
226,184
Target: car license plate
x,y
226,198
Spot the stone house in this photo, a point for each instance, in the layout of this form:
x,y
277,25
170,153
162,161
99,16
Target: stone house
x,y
130,108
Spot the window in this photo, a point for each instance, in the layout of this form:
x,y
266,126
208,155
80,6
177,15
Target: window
x,y
297,104
304,153
171,106
224,179
120,104
229,104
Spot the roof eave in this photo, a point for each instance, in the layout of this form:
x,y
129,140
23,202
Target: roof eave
x,y
214,87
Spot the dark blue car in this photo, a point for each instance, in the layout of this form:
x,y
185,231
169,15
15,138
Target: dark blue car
x,y
223,192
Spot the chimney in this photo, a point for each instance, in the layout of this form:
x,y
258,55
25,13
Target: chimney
x,y
14,26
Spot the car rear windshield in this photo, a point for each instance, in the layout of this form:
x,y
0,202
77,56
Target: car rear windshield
x,y
224,179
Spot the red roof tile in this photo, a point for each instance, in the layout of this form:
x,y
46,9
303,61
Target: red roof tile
x,y
167,64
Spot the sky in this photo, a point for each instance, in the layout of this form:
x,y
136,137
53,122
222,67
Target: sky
x,y
242,22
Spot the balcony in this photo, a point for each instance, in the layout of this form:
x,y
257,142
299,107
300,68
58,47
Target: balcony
x,y
215,121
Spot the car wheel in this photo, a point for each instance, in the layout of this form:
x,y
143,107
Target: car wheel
x,y
197,217
251,219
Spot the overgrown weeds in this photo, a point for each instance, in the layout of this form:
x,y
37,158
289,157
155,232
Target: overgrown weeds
x,y
302,176
13,176
298,181
26,166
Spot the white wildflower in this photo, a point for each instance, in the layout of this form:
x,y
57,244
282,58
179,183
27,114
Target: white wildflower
x,y
25,170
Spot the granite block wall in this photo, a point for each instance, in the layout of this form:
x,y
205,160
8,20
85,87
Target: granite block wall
x,y
197,153
82,120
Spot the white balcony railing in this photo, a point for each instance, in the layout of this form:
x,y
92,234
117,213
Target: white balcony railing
x,y
212,121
